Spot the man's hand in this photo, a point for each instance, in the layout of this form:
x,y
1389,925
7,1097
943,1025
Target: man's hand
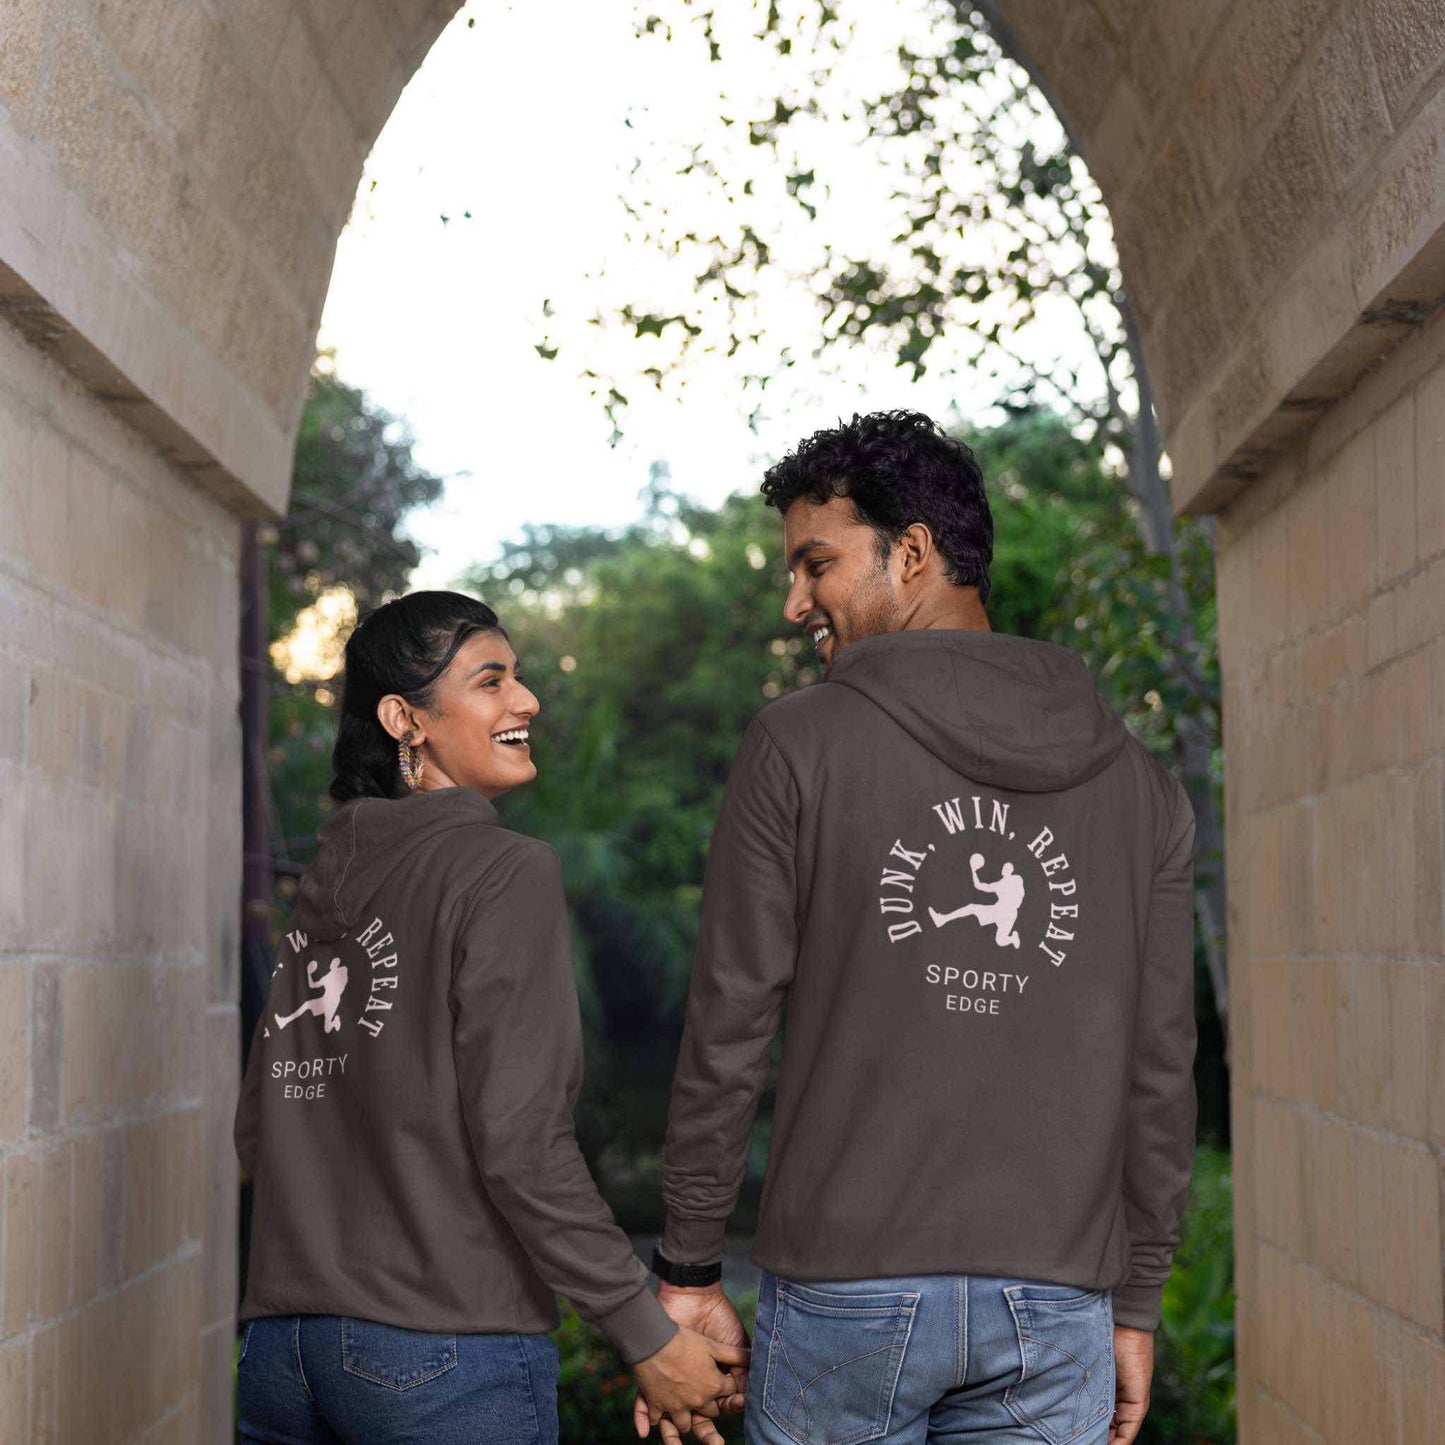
x,y
682,1379
710,1312
1133,1371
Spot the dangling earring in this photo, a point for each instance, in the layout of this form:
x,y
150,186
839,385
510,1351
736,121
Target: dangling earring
x,y
412,762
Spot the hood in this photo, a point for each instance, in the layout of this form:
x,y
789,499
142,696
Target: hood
x,y
362,844
1008,711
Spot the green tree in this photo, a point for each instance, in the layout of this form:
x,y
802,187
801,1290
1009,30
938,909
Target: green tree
x,y
353,483
650,651
993,220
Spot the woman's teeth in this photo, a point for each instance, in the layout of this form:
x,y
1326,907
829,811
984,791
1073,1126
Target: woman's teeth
x,y
515,736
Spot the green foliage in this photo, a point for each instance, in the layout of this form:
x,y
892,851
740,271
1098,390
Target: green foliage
x,y
353,483
986,218
650,651
1194,1375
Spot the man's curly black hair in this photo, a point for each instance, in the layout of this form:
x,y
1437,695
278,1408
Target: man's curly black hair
x,y
897,468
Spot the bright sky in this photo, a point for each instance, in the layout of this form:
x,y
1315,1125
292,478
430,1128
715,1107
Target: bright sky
x,y
530,119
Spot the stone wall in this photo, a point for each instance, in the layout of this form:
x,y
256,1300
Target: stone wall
x,y
119,800
1332,643
1277,185
173,177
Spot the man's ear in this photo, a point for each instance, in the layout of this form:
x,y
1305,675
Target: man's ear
x,y
399,718
917,551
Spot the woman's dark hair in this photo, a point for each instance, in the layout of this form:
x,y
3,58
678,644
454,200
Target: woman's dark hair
x,y
403,646
897,468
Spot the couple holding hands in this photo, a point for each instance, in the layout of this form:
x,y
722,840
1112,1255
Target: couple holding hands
x,y
984,1127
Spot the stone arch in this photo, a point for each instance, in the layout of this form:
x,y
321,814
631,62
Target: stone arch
x,y
174,174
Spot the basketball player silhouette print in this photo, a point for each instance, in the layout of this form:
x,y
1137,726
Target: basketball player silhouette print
x,y
327,1005
1008,892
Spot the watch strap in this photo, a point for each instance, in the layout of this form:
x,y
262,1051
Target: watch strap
x,y
685,1276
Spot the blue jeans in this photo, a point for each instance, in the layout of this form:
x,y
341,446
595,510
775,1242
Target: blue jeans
x,y
328,1380
930,1358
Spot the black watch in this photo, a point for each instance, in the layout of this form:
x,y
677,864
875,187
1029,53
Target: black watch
x,y
685,1276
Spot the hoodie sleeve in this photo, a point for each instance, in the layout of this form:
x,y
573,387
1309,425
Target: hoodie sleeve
x,y
1159,1146
746,953
517,1043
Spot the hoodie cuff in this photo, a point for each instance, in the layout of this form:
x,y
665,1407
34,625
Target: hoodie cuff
x,y
1137,1306
638,1327
692,1241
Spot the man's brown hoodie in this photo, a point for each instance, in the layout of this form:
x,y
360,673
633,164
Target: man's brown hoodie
x,y
973,888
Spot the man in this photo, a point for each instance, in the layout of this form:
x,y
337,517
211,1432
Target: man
x,y
973,889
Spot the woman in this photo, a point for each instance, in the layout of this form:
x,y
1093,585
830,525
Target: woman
x,y
406,1114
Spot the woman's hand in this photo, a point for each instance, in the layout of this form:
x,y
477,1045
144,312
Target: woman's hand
x,y
682,1379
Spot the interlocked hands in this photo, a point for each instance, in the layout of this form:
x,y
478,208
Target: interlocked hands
x,y
688,1391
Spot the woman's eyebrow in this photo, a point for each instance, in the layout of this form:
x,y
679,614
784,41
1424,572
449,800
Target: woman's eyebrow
x,y
484,667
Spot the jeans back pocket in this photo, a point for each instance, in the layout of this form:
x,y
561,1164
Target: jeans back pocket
x,y
1066,1345
397,1358
833,1362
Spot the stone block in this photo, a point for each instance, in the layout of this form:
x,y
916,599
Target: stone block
x,y
1286,192
1370,1207
190,54
75,92
1408,41
296,74
1226,269
1265,43
1334,1184
67,866
1428,933
1395,490
1420,613
164,1182
1380,634
222,1169
1398,216
1186,339
1166,219
23,27
1422,1372
110,1045
254,29
1412,1283
54,1216
88,1219
1120,142
332,154
45,1386
1354,118
218,1353
1219,108
14,1048
15,1386
1430,465
18,1286
15,480
1309,581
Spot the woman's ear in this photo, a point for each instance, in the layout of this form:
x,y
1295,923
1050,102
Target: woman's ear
x,y
399,719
